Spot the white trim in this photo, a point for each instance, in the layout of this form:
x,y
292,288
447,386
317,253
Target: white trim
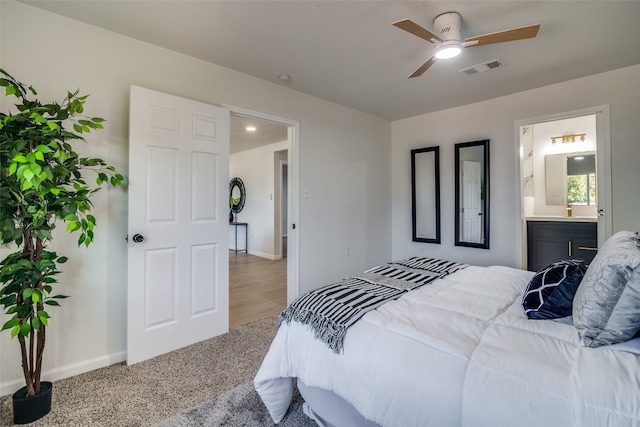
x,y
293,238
67,371
281,233
603,159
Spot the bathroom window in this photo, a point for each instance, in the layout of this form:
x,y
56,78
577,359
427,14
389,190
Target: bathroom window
x,y
581,180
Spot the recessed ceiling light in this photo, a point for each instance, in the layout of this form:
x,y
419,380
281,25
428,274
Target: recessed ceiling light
x,y
250,128
284,78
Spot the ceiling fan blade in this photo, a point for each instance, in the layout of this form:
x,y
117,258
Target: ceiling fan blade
x,y
528,32
415,29
424,67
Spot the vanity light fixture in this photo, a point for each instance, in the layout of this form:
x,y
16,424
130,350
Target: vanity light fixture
x,y
569,138
250,128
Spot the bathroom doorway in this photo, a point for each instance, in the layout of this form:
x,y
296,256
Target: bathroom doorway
x,y
547,175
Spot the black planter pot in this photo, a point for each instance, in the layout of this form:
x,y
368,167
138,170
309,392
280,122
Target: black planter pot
x,y
27,409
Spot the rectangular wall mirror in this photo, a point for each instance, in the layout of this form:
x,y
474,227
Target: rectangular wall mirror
x,y
571,178
425,194
472,194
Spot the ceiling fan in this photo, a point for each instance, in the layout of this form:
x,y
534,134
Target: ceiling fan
x,y
447,39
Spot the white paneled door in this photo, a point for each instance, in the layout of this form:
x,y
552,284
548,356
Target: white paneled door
x,y
178,291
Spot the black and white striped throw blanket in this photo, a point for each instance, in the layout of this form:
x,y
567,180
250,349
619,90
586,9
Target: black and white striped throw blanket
x,y
330,310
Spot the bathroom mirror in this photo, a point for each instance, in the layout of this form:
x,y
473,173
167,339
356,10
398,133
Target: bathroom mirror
x,y
425,194
472,194
570,178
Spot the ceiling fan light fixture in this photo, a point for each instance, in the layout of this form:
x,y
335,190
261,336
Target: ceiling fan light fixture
x,y
449,49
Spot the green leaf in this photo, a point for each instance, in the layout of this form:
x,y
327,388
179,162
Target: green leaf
x,y
36,323
52,302
11,323
15,331
26,185
12,168
44,149
38,118
27,174
25,328
35,297
36,168
20,158
62,259
26,294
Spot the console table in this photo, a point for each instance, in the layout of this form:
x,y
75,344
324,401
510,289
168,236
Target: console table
x,y
246,236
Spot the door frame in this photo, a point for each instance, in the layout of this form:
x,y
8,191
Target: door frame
x,y
603,166
293,238
278,240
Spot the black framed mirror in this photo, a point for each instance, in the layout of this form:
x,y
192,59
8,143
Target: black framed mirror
x,y
425,194
472,194
237,195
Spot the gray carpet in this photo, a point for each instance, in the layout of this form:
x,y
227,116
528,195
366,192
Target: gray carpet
x,y
240,407
157,389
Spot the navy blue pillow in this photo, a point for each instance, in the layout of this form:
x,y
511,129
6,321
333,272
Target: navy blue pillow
x,y
550,292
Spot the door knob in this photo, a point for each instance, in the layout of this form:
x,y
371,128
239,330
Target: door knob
x,y
138,238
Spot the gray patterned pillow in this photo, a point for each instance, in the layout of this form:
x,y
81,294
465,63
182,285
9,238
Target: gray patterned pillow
x,y
606,307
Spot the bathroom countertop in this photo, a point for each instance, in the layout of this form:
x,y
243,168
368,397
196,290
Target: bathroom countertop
x,y
563,218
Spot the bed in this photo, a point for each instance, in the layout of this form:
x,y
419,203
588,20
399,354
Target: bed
x,y
461,351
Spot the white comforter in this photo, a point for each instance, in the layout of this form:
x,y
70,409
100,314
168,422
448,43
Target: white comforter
x,y
460,352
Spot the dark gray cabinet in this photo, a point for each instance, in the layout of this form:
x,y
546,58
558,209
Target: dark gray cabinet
x,y
551,241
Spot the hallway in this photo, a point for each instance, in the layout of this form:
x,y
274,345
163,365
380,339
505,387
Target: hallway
x,y
257,288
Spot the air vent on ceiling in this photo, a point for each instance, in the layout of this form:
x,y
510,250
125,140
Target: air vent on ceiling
x,y
491,65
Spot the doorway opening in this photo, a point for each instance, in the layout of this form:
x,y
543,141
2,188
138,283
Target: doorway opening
x,y
550,180
263,153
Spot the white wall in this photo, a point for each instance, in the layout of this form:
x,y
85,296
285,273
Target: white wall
x,y
256,169
494,119
343,163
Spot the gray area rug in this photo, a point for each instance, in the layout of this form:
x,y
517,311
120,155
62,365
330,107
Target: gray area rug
x,y
240,407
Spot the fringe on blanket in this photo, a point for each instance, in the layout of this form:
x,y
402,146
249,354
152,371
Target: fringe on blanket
x,y
324,329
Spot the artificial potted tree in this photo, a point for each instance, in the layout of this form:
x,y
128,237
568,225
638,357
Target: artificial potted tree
x,y
42,184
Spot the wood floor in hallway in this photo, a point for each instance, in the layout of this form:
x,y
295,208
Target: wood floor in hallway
x,y
257,288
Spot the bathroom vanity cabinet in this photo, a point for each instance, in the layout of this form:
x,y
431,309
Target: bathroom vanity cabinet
x,y
550,241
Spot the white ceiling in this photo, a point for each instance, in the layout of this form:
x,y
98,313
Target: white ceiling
x,y
266,133
348,51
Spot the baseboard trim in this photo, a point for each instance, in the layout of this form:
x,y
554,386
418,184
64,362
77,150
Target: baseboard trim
x,y
62,372
264,255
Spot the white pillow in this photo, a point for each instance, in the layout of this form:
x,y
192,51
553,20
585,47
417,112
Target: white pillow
x,y
606,307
